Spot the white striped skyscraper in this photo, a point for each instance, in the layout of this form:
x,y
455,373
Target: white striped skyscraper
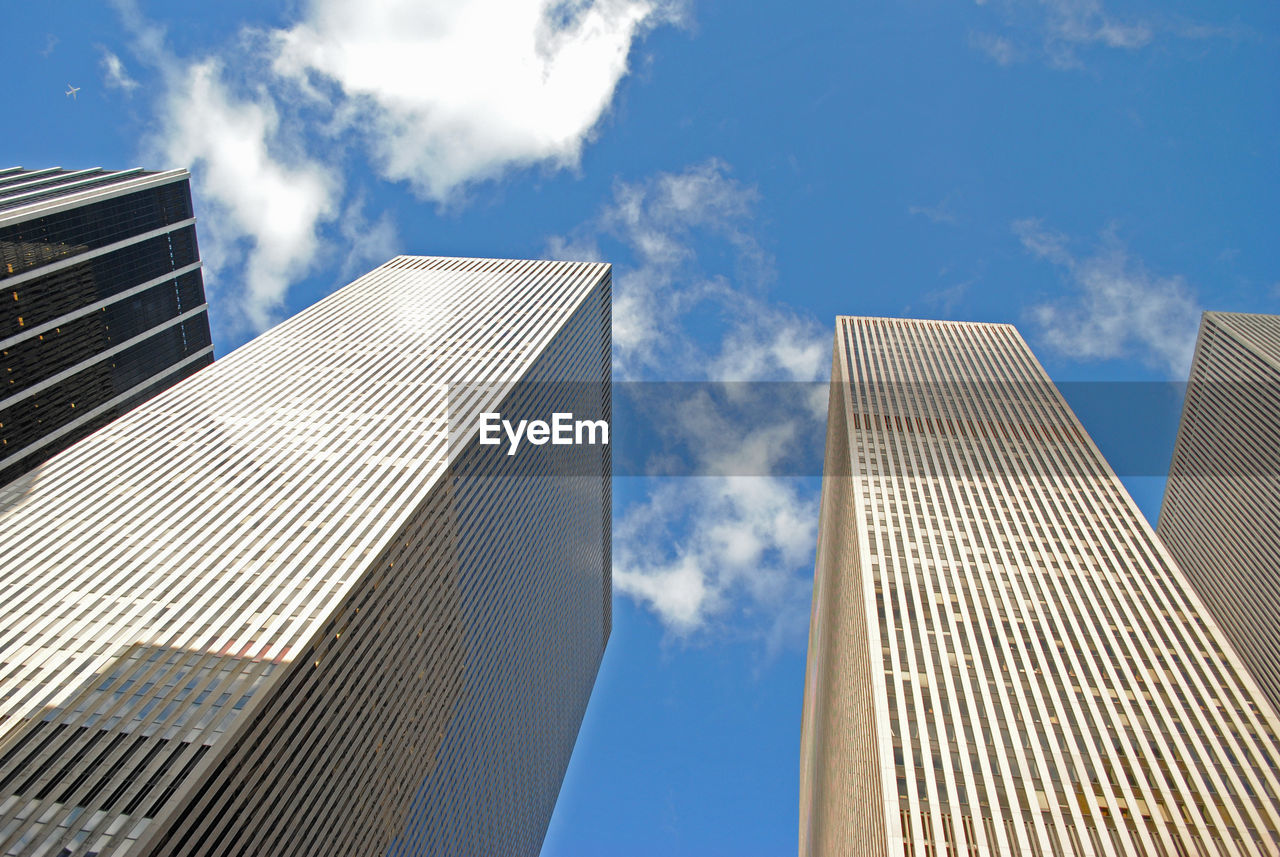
x,y
1003,659
290,607
1221,513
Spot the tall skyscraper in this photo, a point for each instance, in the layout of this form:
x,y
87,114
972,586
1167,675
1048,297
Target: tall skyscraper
x,y
1221,517
101,302
1003,659
294,606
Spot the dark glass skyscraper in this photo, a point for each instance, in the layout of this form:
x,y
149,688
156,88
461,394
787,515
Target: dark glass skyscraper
x,y
294,606
101,302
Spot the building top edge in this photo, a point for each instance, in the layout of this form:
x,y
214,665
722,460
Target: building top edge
x,y
1219,313
912,320
130,181
404,257
1256,331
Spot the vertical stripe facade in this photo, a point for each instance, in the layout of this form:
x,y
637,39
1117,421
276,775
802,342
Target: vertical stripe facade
x,y
288,607
1221,517
1003,658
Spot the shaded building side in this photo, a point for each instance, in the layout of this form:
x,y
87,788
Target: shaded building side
x,y
1220,518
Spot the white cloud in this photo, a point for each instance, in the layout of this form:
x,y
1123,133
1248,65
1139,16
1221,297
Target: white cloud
x,y
946,299
1079,22
449,93
938,213
1117,309
117,77
722,551
441,94
998,48
769,342
371,242
1064,28
665,297
262,200
1042,242
657,223
731,553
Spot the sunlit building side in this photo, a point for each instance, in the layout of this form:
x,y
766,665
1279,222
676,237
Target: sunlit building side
x,y
1003,658
290,606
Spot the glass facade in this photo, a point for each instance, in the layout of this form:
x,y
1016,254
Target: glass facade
x,y
101,303
347,632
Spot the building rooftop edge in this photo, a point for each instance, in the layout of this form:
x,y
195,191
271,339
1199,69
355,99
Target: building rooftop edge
x,y
840,317
430,257
1244,337
129,182
1223,313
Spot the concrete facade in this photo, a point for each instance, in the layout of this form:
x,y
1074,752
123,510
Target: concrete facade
x,y
1003,658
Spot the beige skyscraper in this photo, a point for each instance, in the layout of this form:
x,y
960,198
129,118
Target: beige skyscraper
x,y
291,606
1003,659
1221,513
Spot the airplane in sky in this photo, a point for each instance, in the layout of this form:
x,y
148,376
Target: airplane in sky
x,y
72,90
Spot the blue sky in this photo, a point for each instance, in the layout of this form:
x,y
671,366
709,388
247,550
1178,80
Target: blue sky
x,y
1095,172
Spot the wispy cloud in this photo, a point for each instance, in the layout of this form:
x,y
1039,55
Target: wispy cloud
x,y
369,242
1072,23
1232,32
1043,242
438,94
946,299
717,551
1061,32
1116,308
658,223
449,93
941,212
998,48
667,298
115,74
